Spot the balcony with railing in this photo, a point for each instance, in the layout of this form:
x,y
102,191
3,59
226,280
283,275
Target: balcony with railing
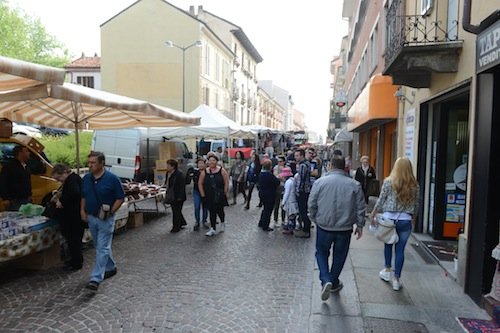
x,y
422,43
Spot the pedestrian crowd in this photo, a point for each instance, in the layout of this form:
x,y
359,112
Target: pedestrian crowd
x,y
294,191
300,189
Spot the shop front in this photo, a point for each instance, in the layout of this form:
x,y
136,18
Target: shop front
x,y
443,158
373,117
483,230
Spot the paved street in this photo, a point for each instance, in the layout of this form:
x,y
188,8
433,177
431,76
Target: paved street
x,y
244,280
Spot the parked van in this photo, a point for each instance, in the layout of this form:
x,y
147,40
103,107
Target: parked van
x,y
42,184
131,153
206,146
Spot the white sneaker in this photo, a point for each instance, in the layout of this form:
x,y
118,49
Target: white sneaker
x,y
385,275
210,232
325,291
222,227
396,285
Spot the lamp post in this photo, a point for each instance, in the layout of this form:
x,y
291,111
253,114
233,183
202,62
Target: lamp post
x,y
183,49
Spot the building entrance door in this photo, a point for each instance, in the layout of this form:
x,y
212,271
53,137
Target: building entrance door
x,y
449,146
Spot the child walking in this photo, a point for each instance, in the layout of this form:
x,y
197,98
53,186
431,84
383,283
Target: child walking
x,y
289,202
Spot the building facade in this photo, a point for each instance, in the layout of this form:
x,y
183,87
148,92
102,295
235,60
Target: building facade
x,y
85,71
448,69
157,52
370,102
243,104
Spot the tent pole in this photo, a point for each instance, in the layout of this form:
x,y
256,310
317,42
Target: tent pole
x,y
77,139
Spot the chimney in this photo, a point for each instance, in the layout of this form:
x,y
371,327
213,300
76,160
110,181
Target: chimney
x,y
200,10
191,10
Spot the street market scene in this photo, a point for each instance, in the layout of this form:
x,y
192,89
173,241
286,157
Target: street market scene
x,y
192,176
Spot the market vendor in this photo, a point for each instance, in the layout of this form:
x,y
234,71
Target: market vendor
x,y
15,180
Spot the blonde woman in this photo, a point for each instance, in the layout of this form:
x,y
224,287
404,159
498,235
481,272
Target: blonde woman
x,y
398,201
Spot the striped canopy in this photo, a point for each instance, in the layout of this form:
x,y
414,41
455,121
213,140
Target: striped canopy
x,y
18,74
74,106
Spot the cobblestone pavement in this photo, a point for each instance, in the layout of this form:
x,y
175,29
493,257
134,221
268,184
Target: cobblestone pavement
x,y
243,280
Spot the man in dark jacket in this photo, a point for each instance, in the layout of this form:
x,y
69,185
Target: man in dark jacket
x,y
15,180
267,193
176,183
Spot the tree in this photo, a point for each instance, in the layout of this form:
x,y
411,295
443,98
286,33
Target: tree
x,y
25,38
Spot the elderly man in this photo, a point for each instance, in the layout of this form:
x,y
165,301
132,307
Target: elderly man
x,y
336,203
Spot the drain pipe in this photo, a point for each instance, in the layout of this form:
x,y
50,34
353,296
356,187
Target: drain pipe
x,y
476,29
473,29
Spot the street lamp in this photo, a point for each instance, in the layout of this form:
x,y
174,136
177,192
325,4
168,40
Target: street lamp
x,y
169,43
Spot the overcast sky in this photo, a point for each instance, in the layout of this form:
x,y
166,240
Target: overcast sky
x,y
297,39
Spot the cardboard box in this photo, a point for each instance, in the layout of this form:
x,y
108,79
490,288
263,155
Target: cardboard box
x,y
159,177
161,164
5,128
135,220
167,151
29,141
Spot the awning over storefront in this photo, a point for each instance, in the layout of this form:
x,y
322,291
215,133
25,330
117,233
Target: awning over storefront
x,y
375,105
343,136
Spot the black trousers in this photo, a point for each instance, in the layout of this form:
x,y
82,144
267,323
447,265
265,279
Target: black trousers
x,y
238,187
214,211
178,219
73,232
265,216
277,206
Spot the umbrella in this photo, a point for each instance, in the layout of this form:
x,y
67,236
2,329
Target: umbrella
x,y
17,74
78,107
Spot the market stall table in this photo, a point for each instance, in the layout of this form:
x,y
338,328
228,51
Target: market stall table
x,y
145,198
22,237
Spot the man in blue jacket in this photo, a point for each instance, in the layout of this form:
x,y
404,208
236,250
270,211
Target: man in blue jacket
x,y
336,203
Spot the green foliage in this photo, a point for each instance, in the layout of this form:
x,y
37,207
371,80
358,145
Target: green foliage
x,y
25,38
62,149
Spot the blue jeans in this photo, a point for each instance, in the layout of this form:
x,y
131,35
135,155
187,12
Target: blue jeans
x,y
324,240
302,199
403,228
102,235
197,206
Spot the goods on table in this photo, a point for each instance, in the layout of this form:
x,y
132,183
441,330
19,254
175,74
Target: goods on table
x,y
14,223
137,191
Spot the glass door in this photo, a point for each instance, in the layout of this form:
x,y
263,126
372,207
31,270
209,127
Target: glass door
x,y
448,167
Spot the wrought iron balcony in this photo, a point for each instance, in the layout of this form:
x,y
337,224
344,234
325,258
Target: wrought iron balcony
x,y
418,45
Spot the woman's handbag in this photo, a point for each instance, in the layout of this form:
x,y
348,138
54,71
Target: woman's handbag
x,y
386,230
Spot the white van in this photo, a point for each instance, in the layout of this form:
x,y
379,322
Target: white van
x,y
131,153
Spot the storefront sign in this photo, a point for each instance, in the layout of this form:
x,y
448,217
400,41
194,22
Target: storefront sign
x,y
410,135
488,48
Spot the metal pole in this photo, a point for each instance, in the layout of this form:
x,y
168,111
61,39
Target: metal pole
x,y
184,79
